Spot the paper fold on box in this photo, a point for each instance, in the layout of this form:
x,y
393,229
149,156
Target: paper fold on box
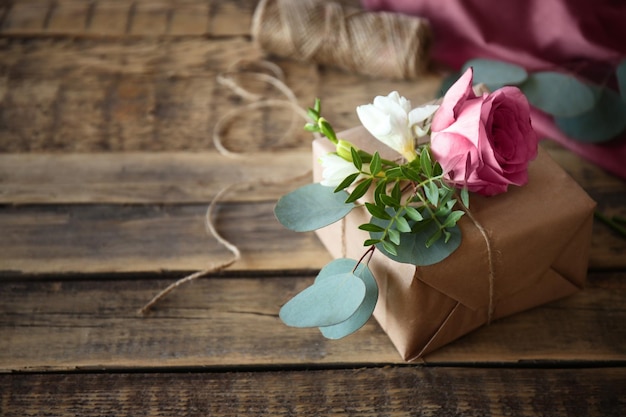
x,y
540,236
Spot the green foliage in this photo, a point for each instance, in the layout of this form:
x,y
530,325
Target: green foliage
x,y
603,122
413,220
340,301
584,111
495,74
311,207
558,94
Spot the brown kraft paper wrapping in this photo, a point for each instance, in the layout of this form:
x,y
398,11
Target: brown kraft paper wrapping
x,y
540,236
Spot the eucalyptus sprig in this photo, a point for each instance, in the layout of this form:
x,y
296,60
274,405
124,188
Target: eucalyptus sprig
x,y
413,220
407,197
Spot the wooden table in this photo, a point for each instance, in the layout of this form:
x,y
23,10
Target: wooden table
x,y
106,171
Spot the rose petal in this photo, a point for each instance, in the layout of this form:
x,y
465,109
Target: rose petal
x,y
453,101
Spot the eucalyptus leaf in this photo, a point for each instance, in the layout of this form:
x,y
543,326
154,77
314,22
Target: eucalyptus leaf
x,y
558,94
412,248
602,123
334,297
311,207
620,72
495,74
365,310
447,82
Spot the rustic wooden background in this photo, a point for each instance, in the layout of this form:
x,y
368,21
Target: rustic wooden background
x,y
106,168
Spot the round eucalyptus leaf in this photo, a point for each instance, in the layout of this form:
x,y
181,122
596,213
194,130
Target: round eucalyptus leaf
x,y
365,310
326,302
603,122
495,74
412,248
620,72
558,94
311,207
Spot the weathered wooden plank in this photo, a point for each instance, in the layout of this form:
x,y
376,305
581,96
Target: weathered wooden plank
x,y
87,95
87,239
392,391
148,178
113,18
112,238
232,321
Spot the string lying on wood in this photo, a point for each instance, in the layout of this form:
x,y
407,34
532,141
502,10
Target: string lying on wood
x,y
377,44
257,102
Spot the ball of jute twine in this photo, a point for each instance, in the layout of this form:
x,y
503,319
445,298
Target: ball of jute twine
x,y
377,44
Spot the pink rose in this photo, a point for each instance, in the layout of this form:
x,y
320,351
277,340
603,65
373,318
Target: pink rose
x,y
484,142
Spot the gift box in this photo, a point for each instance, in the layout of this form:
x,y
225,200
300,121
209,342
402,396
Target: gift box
x,y
539,237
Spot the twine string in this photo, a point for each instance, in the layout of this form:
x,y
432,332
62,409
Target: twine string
x,y
258,102
377,44
490,261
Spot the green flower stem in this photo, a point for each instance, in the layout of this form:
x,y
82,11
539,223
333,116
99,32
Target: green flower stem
x,y
425,202
613,223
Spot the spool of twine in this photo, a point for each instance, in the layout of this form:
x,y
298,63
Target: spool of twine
x,y
377,44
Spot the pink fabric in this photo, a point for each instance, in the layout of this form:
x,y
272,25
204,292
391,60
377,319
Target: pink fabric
x,y
580,36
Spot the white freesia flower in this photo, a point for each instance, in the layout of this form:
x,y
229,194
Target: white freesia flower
x,y
419,115
391,120
335,169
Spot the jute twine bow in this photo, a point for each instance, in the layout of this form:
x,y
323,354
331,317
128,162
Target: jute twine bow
x,y
377,44
227,79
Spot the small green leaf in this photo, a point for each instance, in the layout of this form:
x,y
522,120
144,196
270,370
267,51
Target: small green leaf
x,y
370,242
389,201
356,158
317,106
370,227
377,211
413,214
495,74
310,127
426,163
346,182
359,190
412,248
311,207
558,94
402,224
395,172
330,300
396,193
375,164
365,310
410,173
453,218
381,189
432,193
313,114
394,236
465,197
327,129
389,248
602,123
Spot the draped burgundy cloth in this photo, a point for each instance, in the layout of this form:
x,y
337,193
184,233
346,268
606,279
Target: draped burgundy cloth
x,y
587,38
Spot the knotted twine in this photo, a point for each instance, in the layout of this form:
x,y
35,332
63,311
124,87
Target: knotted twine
x,y
377,44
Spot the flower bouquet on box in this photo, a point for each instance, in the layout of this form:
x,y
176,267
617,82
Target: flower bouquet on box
x,y
393,206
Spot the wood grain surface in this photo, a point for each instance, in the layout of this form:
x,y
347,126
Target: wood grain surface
x,y
389,391
107,165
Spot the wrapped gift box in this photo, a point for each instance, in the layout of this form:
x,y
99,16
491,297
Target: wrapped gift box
x,y
539,234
